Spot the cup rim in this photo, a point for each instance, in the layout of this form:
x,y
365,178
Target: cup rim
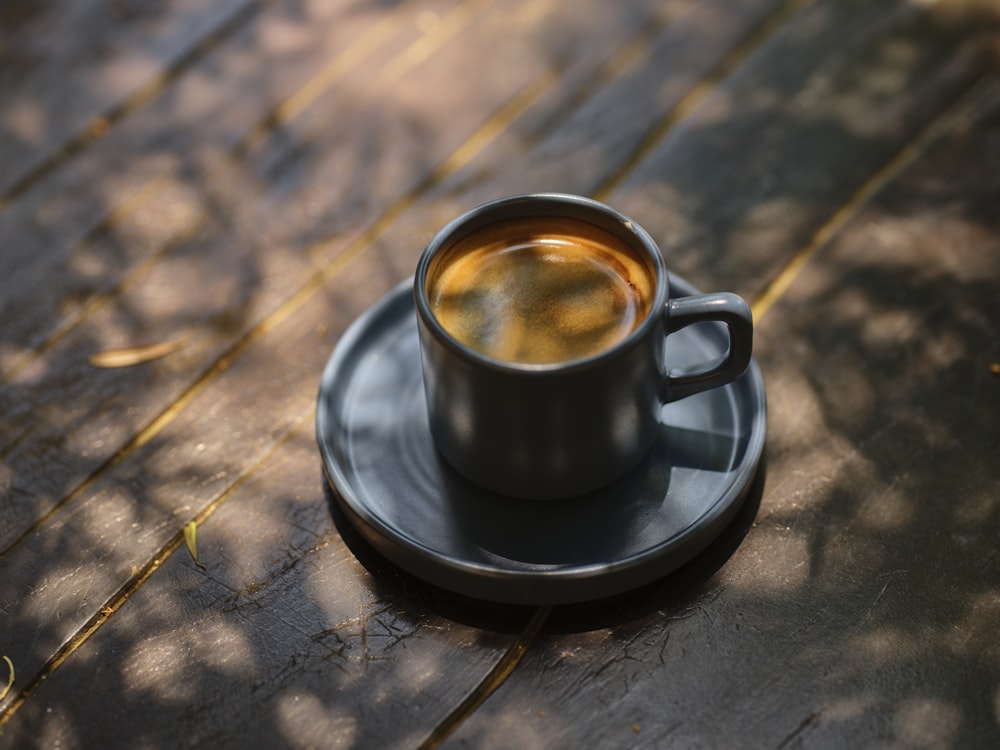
x,y
562,205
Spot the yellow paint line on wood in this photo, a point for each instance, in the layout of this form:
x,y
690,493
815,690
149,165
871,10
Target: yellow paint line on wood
x,y
99,126
115,602
873,185
493,680
701,91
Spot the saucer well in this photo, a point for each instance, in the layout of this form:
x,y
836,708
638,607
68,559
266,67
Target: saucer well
x,y
377,451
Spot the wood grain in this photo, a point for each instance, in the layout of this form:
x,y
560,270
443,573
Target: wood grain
x,y
326,653
165,174
72,68
282,182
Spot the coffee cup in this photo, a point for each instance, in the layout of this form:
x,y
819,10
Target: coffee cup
x,y
544,324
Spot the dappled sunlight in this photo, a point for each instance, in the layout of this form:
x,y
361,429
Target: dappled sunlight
x,y
303,719
284,169
797,407
25,120
775,563
972,509
975,635
881,647
887,327
763,224
890,510
927,722
282,36
853,708
158,669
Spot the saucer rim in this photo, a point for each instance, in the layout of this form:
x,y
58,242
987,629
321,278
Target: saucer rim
x,y
539,585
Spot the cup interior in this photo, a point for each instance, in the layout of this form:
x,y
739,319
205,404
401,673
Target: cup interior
x,y
541,280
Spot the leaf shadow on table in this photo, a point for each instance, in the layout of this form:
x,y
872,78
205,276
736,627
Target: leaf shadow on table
x,y
166,228
862,605
89,494
868,618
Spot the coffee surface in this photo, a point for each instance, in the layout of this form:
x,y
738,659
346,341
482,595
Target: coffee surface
x,y
539,291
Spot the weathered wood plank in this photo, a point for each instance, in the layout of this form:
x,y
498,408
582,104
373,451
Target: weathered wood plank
x,y
580,144
283,640
67,67
241,280
152,181
797,129
169,457
862,606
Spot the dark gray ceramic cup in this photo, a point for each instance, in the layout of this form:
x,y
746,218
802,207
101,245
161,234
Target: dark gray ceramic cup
x,y
557,430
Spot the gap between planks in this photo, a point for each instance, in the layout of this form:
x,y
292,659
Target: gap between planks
x,y
116,600
943,123
97,127
503,669
281,114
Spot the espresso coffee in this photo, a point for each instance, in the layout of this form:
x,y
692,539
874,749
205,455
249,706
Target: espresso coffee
x,y
540,290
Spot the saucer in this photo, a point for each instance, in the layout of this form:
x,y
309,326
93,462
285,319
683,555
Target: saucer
x,y
372,430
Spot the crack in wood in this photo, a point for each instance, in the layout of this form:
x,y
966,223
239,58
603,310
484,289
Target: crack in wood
x,y
493,680
802,727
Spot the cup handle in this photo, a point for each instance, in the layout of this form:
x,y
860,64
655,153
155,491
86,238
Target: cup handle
x,y
726,308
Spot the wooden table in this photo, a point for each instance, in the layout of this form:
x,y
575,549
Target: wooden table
x,y
196,199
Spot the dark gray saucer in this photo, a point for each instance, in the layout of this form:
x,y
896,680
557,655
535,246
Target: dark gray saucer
x,y
371,425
